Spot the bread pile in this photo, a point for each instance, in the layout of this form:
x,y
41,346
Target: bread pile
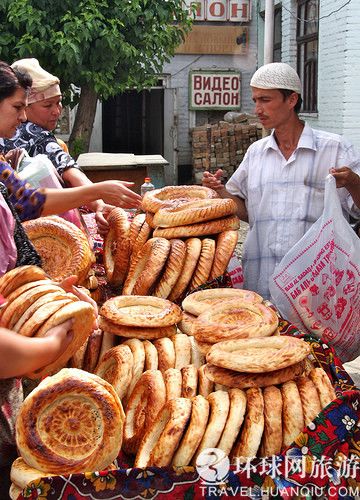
x,y
227,314
138,316
63,247
175,357
187,211
71,422
256,362
197,249
244,424
35,304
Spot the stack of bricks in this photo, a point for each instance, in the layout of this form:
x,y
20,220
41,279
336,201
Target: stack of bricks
x,y
222,145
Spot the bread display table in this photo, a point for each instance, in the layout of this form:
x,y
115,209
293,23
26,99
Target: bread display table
x,y
323,460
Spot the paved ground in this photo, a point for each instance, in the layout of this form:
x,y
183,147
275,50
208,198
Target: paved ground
x,y
353,367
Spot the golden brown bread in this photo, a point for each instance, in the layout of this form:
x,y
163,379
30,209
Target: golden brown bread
x,y
198,302
70,408
18,305
197,357
138,352
205,385
272,438
173,383
171,270
152,256
144,404
116,248
116,367
151,356
193,250
219,410
249,439
182,346
231,378
159,443
174,195
63,247
235,319
140,240
189,375
258,355
292,416
194,211
216,226
323,386
203,267
225,245
166,353
19,276
83,318
22,474
194,432
234,420
139,332
43,312
185,325
141,310
309,397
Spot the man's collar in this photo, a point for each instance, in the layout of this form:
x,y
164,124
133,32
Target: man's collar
x,y
306,140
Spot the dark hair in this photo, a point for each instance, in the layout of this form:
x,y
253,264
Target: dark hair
x,y
11,80
286,93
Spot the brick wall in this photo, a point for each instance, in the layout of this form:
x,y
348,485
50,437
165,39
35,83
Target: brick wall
x,y
222,145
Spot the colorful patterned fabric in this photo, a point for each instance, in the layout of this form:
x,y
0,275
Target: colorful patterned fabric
x,y
28,202
323,460
37,140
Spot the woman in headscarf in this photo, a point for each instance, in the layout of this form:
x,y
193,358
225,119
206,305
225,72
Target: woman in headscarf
x,y
36,134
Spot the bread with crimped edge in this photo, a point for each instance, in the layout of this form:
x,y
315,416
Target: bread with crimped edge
x,y
116,247
232,222
152,256
258,355
226,242
194,211
174,195
83,409
63,247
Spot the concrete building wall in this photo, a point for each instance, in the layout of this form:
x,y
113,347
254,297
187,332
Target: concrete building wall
x,y
181,65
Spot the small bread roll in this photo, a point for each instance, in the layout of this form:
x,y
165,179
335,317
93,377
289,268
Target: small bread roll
x,y
173,383
293,416
166,353
234,420
182,348
189,381
271,442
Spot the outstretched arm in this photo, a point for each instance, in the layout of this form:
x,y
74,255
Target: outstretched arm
x,y
214,181
21,355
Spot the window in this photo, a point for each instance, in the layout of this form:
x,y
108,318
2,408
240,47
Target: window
x,y
307,51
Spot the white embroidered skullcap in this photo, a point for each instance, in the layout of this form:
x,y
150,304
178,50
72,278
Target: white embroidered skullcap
x,y
276,76
44,84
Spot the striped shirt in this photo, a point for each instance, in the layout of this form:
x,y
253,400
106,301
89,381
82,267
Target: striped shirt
x,y
285,197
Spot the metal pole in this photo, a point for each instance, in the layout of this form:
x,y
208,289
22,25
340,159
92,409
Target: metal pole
x,y
269,31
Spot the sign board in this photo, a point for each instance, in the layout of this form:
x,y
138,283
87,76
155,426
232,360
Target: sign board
x,y
214,39
219,10
211,89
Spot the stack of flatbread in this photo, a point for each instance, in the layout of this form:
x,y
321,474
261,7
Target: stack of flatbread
x,y
71,422
64,249
256,362
176,357
243,424
221,314
182,258
35,304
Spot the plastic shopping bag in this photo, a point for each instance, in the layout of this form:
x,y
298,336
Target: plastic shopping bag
x,y
39,171
317,284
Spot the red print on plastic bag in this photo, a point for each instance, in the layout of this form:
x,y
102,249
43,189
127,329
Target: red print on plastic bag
x,y
314,290
340,306
338,276
324,310
330,292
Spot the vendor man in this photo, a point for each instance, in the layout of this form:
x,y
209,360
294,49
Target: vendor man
x,y
279,185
